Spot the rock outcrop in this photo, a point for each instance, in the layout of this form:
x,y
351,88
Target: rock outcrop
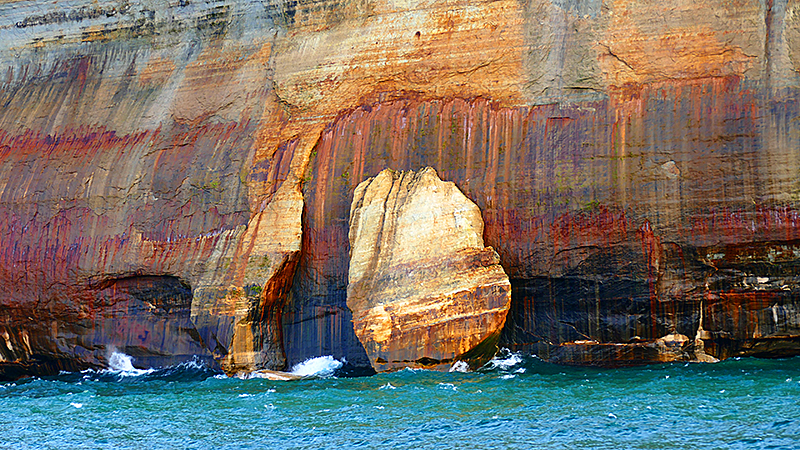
x,y
183,171
143,205
423,289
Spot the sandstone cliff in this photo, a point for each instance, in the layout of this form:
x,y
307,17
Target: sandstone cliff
x,y
176,176
422,288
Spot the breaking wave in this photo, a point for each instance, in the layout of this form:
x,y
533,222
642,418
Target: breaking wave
x,y
322,366
505,360
122,364
121,369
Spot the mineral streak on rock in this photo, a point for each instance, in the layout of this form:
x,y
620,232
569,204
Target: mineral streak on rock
x,y
423,289
635,161
133,175
607,248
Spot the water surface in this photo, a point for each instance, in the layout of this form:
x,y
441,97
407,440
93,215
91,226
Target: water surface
x,y
515,402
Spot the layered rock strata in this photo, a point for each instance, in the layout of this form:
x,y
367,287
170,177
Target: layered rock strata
x,y
144,206
423,289
635,163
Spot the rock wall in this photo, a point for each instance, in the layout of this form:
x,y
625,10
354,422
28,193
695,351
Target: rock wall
x,y
129,150
635,164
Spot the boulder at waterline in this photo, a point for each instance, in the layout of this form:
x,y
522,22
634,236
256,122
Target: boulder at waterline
x,y
423,289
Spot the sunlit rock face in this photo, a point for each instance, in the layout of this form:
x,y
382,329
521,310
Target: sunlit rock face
x,y
131,139
636,189
635,163
423,289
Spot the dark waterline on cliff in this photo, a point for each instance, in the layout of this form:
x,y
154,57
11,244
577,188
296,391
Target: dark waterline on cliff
x,y
517,403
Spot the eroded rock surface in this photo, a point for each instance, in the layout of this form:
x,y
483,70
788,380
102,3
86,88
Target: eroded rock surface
x,y
635,162
145,204
423,289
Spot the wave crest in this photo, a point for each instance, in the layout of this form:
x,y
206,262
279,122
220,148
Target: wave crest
x,y
122,364
322,366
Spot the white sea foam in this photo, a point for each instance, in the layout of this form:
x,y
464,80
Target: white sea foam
x,y
193,363
506,361
122,364
322,366
459,366
387,386
448,386
76,405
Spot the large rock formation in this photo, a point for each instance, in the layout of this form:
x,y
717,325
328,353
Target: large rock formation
x,y
144,206
423,289
183,171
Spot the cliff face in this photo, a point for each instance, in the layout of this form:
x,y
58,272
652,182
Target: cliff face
x,y
176,177
129,155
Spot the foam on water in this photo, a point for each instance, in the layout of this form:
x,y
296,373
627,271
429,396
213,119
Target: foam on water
x,y
459,366
122,364
545,407
505,360
321,366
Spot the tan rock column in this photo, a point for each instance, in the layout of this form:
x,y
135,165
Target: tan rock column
x,y
423,289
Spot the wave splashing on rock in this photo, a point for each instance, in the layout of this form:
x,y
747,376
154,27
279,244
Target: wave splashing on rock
x,y
321,366
122,364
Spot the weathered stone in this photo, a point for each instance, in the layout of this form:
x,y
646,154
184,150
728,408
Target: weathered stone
x,y
138,168
423,289
637,177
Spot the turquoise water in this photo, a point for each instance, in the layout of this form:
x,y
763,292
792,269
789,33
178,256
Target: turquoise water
x,y
516,402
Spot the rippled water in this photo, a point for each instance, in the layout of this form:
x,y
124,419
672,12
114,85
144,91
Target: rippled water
x,y
516,403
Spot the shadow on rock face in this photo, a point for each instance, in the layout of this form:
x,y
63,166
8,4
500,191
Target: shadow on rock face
x,y
146,317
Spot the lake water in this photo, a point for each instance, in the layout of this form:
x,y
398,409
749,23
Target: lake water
x,y
514,402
